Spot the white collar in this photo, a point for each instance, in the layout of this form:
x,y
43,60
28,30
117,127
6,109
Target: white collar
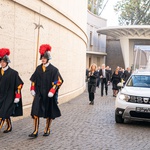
x,y
46,65
4,69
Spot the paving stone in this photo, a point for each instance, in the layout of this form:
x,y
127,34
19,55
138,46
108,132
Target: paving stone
x,y
81,127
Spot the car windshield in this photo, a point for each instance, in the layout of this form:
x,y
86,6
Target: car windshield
x,y
139,81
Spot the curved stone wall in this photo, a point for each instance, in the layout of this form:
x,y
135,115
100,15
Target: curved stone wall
x,y
62,28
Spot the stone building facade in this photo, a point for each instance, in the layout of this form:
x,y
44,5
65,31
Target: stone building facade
x,y
64,28
96,47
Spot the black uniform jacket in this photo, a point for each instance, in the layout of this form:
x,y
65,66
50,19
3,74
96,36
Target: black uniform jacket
x,y
9,83
107,75
42,105
126,75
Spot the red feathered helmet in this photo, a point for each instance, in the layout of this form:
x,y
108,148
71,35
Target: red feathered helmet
x,y
4,53
44,51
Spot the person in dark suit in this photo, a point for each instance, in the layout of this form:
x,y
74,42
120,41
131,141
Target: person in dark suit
x,y
121,71
109,71
127,74
98,77
105,79
92,76
87,72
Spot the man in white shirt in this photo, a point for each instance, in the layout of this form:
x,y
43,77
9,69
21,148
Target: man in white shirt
x,y
105,79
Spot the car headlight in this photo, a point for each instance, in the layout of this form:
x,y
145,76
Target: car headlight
x,y
124,97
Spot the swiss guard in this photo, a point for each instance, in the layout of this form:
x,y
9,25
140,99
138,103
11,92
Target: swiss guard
x,y
45,81
10,91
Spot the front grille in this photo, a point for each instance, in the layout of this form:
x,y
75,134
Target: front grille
x,y
140,114
139,99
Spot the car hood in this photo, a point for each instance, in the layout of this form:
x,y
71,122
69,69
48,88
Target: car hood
x,y
136,91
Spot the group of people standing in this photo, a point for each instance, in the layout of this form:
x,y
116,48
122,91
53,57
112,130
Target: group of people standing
x,y
96,77
103,75
45,83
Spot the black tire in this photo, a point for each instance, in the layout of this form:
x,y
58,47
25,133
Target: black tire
x,y
119,119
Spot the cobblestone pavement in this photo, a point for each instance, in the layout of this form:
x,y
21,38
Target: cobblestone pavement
x,y
81,127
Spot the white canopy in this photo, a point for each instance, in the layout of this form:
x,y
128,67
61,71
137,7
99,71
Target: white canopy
x,y
121,31
125,34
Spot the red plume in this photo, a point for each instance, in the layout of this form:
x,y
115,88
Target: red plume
x,y
4,51
44,48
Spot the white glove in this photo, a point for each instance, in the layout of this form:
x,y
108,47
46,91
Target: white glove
x,y
16,100
32,92
50,94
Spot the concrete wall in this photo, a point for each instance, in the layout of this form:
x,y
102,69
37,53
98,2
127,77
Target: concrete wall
x,y
97,59
63,29
75,9
114,54
96,42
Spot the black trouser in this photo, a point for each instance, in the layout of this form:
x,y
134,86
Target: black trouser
x,y
103,82
98,82
91,96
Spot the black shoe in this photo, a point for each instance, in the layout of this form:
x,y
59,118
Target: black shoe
x,y
101,95
33,135
46,133
7,130
92,103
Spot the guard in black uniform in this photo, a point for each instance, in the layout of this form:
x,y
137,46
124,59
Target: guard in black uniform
x,y
10,91
45,81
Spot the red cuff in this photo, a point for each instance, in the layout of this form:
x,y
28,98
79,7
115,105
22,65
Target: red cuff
x,y
18,95
32,88
52,90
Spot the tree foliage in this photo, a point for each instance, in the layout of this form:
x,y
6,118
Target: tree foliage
x,y
133,12
95,6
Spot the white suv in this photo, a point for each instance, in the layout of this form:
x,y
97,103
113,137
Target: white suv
x,y
133,100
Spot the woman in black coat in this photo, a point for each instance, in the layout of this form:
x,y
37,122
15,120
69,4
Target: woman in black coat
x,y
115,80
92,77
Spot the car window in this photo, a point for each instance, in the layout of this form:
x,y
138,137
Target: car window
x,y
139,81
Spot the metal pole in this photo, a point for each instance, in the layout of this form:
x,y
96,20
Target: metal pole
x,y
140,59
135,58
38,26
38,38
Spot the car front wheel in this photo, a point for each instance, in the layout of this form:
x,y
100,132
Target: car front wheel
x,y
119,119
